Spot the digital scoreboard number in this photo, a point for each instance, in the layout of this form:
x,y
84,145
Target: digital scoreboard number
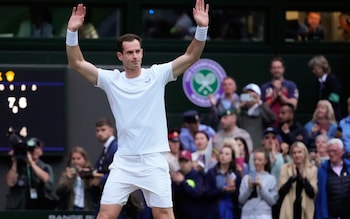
x,y
33,97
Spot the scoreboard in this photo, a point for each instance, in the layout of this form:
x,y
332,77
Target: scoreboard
x,y
33,97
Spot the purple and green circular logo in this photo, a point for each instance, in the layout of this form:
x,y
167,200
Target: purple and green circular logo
x,y
202,79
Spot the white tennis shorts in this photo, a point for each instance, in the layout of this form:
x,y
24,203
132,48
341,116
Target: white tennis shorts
x,y
148,172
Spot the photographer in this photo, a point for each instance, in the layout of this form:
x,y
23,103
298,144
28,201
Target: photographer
x,y
29,178
75,189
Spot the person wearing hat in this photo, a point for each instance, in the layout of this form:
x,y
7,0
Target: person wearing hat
x,y
172,156
279,90
30,179
192,124
187,186
270,141
229,129
254,116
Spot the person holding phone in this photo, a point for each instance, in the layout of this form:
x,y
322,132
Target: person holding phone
x,y
258,190
221,187
298,185
254,116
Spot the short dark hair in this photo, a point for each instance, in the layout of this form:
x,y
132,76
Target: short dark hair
x,y
277,58
315,12
104,121
290,106
127,38
203,132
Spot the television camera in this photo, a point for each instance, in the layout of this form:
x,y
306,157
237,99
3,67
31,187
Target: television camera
x,y
20,144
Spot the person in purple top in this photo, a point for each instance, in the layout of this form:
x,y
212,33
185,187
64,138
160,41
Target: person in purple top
x,y
279,90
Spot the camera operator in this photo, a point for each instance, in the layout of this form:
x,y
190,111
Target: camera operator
x,y
29,178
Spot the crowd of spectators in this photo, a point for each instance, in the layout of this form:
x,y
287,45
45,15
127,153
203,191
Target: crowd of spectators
x,y
254,160
262,162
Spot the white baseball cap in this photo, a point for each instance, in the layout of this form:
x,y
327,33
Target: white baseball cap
x,y
253,87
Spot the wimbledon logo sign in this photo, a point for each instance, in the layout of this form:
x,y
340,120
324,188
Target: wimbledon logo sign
x,y
201,79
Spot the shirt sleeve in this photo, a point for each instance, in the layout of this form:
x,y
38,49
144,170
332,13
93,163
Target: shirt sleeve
x,y
104,77
164,72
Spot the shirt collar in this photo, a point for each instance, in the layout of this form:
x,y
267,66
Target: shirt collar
x,y
323,78
108,142
339,165
347,119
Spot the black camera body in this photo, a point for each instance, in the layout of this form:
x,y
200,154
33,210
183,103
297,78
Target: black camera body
x,y
86,174
20,145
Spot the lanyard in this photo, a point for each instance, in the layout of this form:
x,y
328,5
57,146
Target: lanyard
x,y
29,176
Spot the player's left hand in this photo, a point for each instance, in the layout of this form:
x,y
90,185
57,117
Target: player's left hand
x,y
77,18
200,13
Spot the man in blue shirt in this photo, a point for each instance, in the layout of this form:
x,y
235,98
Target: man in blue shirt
x,y
192,124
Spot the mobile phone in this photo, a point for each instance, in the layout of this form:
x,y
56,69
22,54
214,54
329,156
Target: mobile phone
x,y
230,178
246,97
74,168
252,175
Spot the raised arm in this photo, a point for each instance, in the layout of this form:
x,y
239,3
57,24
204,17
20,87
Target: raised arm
x,y
195,49
75,58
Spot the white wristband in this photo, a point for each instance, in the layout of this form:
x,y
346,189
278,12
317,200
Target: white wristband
x,y
201,33
72,38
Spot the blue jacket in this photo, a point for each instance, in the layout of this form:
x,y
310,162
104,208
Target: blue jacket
x,y
213,195
321,200
104,161
187,140
187,196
